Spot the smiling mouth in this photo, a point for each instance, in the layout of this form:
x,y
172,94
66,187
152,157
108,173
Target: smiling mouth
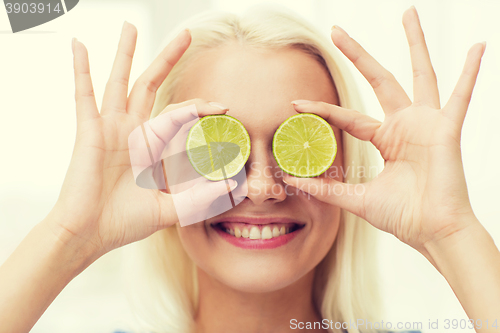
x,y
257,231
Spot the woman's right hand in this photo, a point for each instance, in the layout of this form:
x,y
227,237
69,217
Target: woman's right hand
x,y
100,204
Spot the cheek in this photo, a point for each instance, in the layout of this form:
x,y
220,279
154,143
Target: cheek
x,y
323,229
326,220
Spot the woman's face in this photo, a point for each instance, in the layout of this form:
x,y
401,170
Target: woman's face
x,y
257,85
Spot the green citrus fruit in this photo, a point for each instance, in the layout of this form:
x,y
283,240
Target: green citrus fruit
x,y
304,145
218,146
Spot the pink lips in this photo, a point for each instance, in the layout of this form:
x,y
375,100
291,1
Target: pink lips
x,y
247,243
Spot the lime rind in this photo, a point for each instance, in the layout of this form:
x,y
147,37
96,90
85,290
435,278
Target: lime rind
x,y
294,134
218,146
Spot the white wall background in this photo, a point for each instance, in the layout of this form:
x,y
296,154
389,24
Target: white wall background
x,y
37,128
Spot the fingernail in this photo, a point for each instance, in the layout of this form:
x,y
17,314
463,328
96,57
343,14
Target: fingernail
x,y
218,105
182,34
126,24
232,184
185,32
301,102
73,45
336,27
484,48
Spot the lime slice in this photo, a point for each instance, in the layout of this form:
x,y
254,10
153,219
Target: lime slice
x,y
218,146
304,145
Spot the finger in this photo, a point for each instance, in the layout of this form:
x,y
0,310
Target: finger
x,y
86,107
456,107
143,92
168,123
425,89
193,205
390,94
353,122
329,190
204,108
115,95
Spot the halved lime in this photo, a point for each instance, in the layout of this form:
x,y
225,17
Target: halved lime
x,y
218,146
304,145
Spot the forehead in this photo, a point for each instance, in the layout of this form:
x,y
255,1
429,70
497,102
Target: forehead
x,y
256,84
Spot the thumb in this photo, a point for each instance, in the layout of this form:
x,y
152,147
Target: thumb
x,y
197,203
346,196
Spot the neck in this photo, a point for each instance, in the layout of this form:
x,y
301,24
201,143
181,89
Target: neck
x,y
223,309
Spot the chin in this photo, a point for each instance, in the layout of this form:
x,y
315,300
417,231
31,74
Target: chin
x,y
258,275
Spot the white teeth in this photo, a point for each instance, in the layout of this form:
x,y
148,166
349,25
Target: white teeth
x,y
266,233
255,233
282,230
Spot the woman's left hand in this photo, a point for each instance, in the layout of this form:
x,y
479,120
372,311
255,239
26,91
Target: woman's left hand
x,y
421,194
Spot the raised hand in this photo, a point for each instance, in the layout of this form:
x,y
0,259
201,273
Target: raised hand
x,y
421,194
100,203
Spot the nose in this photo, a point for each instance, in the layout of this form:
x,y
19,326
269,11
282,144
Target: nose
x,y
264,177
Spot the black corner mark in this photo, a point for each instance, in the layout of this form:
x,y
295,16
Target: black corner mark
x,y
70,4
26,14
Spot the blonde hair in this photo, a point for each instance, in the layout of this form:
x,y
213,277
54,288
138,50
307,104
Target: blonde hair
x,y
165,282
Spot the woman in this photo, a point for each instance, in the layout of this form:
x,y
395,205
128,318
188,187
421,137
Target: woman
x,y
195,280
